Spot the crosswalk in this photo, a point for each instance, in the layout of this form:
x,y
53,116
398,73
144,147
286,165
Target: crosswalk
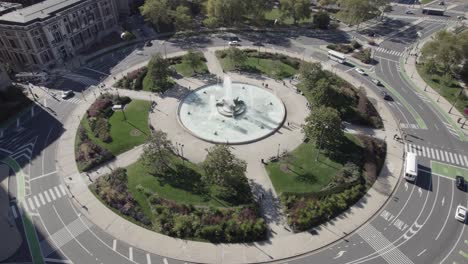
x,y
64,235
81,79
451,129
34,202
383,246
73,100
391,52
437,154
406,125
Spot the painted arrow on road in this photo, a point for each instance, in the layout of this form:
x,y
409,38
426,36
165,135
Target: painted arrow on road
x,y
339,254
420,192
443,200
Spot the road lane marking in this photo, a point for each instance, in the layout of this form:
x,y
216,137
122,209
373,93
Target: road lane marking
x,y
449,213
446,155
52,194
66,261
422,252
130,253
456,158
42,199
437,154
114,245
37,201
31,204
62,189
148,258
43,175
47,197
165,261
451,157
466,160
57,191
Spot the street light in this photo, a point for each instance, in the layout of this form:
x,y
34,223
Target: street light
x,y
321,140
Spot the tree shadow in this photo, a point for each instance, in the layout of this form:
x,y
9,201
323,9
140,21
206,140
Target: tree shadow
x,y
182,177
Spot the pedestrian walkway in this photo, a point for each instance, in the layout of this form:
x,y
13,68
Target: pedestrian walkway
x,y
391,52
80,79
34,202
73,100
437,154
212,63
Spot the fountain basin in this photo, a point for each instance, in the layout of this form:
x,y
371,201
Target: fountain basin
x,y
259,114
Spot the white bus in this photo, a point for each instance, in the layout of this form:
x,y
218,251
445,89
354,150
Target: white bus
x,y
411,166
336,56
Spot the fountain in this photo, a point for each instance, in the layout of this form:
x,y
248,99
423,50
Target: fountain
x,y
233,113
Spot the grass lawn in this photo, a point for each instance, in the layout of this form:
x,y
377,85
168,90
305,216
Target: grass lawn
x,y
269,67
276,14
450,93
182,192
128,133
186,70
300,173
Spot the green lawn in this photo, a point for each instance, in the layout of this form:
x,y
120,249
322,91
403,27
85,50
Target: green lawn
x,y
181,189
451,93
186,70
300,173
271,68
126,133
276,14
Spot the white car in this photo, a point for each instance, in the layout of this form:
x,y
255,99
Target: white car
x,y
233,43
66,94
460,213
409,12
360,71
376,82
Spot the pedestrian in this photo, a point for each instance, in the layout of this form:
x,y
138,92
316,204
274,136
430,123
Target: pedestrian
x,y
394,136
288,123
284,83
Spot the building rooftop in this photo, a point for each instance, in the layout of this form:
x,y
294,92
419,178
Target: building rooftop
x,y
39,11
6,7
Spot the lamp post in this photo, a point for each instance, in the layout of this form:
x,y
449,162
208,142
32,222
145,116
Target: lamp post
x,y
321,140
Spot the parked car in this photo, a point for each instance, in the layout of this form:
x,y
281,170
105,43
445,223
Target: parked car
x,y
409,12
386,96
67,94
460,213
460,182
376,82
360,71
461,17
233,43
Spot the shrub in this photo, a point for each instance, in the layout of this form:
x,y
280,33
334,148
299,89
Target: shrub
x,y
101,129
100,108
90,155
355,44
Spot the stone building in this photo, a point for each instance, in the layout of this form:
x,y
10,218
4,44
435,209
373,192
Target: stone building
x,y
54,31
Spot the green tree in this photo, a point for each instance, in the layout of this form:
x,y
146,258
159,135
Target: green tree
x,y
193,59
157,153
355,12
295,9
227,12
446,50
236,56
310,73
158,72
227,172
323,125
323,94
321,19
157,12
257,9
182,18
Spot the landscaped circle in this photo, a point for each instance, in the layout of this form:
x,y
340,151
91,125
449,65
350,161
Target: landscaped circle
x,y
233,113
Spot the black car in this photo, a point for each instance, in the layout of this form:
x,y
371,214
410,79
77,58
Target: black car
x,y
148,43
386,96
460,182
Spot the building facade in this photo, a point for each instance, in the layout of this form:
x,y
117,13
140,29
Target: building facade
x,y
54,31
4,79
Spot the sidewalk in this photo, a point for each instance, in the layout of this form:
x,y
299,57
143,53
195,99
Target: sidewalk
x,y
193,251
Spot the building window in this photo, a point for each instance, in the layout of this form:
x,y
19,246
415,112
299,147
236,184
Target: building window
x,y
39,42
12,43
33,57
26,42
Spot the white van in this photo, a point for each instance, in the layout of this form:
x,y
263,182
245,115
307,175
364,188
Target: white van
x,y
411,166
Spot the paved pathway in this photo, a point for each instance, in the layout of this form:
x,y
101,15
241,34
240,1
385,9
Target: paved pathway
x,y
287,137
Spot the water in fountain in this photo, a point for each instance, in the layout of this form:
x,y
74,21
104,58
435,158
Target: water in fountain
x,y
212,106
227,85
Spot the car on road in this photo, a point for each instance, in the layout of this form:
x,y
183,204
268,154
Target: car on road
x,y
67,94
386,96
234,43
461,17
148,43
360,71
409,12
376,82
460,182
460,213
139,52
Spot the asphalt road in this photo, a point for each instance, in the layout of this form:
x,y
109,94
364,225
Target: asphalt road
x,y
415,226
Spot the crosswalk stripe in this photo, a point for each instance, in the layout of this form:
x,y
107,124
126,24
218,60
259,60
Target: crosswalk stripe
x,y
148,258
130,253
42,199
466,160
461,160
62,189
47,197
456,158
437,154
451,157
52,194
31,204
36,201
446,155
432,153
58,192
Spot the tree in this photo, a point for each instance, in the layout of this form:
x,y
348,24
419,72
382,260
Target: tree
x,y
157,12
236,56
226,12
323,125
446,50
193,59
224,170
354,12
310,73
157,153
257,9
296,9
182,18
158,72
323,94
321,19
